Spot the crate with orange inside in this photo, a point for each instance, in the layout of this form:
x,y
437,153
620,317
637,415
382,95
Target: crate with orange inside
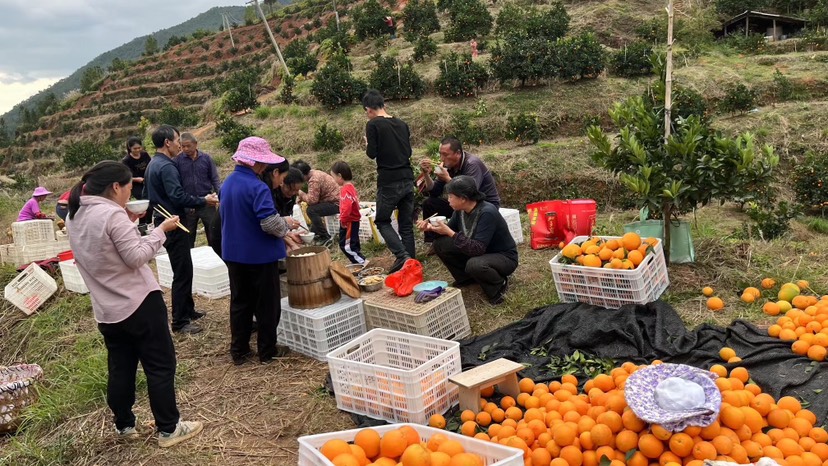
x,y
610,271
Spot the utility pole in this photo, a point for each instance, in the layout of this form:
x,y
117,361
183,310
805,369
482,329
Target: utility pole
x,y
226,22
336,15
270,33
668,81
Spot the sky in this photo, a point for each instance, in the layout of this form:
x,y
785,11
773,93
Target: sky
x,y
43,41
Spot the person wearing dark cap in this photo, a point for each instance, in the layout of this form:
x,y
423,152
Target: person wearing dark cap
x,y
475,245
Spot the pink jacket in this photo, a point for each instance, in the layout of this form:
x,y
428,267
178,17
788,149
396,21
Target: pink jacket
x,y
112,258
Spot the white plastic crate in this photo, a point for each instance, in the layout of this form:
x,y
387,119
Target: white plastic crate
x,y
29,290
512,217
210,277
395,376
32,232
72,279
611,288
316,332
493,454
40,251
444,317
8,254
366,234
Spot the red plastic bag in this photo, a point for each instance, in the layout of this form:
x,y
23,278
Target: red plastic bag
x,y
404,280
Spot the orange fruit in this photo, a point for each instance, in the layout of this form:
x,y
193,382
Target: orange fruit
x,y
345,459
631,241
393,444
411,435
335,447
612,420
636,257
632,422
707,291
650,446
437,421
438,458
748,298
564,435
591,260
704,451
740,373
540,457
723,444
779,418
727,353
719,370
626,440
506,402
369,441
571,251
660,432
526,385
601,435
451,447
572,455
469,428
681,444
771,308
416,455
753,291
715,304
484,419
817,353
435,441
790,403
466,459
732,417
768,283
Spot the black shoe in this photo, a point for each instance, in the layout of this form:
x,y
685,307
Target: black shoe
x,y
239,360
190,329
499,298
398,264
462,283
281,352
197,315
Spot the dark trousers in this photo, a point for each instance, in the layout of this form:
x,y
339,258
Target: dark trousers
x,y
207,215
62,210
316,212
435,206
144,336
138,194
254,291
178,248
349,243
397,195
489,270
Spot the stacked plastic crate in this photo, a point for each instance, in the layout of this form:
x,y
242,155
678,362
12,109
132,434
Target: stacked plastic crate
x,y
34,240
210,278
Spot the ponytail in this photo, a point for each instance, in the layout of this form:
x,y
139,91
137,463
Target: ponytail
x,y
98,182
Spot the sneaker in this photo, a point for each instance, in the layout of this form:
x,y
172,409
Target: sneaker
x,y
239,360
128,433
183,431
190,329
197,315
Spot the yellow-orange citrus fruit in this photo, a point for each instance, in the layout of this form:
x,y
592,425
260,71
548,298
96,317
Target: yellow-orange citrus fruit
x,y
715,303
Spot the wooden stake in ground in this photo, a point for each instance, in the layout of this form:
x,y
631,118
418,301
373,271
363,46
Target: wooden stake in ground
x,y
668,106
270,33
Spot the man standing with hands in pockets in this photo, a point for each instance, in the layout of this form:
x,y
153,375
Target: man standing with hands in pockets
x,y
163,188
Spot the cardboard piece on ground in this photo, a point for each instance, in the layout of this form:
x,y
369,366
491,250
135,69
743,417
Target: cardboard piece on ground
x,y
345,280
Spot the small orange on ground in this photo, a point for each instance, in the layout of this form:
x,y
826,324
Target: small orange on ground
x,y
467,415
754,291
526,385
487,392
732,417
469,428
768,283
540,457
707,291
748,298
817,353
740,373
626,440
660,432
484,419
727,353
790,403
771,308
601,435
507,402
437,421
734,360
715,303
719,370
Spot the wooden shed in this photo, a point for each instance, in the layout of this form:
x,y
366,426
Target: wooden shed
x,y
774,27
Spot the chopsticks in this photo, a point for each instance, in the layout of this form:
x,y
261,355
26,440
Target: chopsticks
x,y
163,212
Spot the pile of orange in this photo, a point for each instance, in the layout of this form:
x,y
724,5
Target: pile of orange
x,y
556,425
805,325
399,447
625,253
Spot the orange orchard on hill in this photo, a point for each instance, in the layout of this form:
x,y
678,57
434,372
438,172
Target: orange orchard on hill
x,y
556,425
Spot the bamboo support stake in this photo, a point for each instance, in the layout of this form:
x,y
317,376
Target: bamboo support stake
x,y
668,80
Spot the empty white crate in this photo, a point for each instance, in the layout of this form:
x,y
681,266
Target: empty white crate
x,y
210,277
512,217
316,332
33,232
29,290
611,288
493,454
444,317
395,376
367,228
72,279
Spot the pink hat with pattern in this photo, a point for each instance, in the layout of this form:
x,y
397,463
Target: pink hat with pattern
x,y
255,149
41,191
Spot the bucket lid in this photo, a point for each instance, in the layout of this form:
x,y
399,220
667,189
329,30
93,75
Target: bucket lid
x,y
345,280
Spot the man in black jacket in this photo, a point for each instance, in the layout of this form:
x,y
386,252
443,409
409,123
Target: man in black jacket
x,y
388,143
162,185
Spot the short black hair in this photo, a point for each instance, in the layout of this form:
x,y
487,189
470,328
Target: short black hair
x,y
373,99
163,133
302,166
134,140
294,176
453,142
267,174
464,186
342,169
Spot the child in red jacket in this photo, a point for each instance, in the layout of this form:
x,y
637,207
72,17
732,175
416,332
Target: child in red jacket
x,y
348,213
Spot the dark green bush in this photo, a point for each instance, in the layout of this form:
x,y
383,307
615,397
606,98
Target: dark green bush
x,y
231,132
286,91
328,139
810,182
523,128
334,85
396,80
738,99
299,58
467,132
579,57
420,19
424,47
239,89
768,221
632,60
460,76
523,58
179,117
469,19
369,20
783,89
751,44
84,154
550,24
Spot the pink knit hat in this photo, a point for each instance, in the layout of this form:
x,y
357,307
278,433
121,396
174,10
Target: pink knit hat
x,y
255,149
41,191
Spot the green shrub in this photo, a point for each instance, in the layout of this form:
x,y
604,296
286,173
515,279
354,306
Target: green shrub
x,y
424,47
298,57
369,20
239,89
286,90
749,44
328,139
522,57
810,182
84,154
231,132
783,88
395,80
632,60
768,221
523,128
263,113
467,132
550,24
460,76
469,19
420,19
334,85
738,98
176,116
579,57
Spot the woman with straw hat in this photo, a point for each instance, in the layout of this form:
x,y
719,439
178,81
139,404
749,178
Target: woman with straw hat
x,y
31,209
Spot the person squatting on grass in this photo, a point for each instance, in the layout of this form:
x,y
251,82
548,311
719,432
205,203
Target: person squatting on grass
x,y
349,214
475,245
112,258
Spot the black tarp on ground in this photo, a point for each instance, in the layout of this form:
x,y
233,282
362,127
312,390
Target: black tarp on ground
x,y
643,333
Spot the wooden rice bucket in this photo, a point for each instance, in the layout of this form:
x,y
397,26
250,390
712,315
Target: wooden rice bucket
x,y
309,279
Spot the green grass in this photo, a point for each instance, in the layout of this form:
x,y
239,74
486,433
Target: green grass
x,y
818,224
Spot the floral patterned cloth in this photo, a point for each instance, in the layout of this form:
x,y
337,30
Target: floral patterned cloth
x,y
639,392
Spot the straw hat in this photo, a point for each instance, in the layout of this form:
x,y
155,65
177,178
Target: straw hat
x,y
674,395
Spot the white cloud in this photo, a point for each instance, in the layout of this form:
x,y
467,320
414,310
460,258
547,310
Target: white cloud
x,y
14,92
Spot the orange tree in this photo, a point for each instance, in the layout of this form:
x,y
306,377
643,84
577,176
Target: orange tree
x,y
693,167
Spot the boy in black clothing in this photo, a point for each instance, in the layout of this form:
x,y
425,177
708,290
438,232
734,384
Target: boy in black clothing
x,y
388,141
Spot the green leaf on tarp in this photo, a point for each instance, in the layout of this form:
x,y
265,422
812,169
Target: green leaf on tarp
x,y
817,391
